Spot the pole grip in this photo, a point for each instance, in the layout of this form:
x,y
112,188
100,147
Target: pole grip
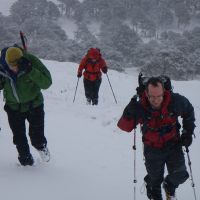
x,y
187,149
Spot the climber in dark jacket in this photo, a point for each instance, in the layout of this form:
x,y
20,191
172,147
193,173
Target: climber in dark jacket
x,y
157,111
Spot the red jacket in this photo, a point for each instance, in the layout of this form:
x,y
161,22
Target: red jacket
x,y
159,128
92,64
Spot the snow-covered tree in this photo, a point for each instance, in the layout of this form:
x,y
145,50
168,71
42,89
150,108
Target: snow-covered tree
x,y
170,62
119,36
22,10
144,52
69,7
182,14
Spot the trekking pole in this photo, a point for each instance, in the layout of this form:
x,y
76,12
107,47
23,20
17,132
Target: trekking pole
x,y
134,149
192,180
24,40
111,88
0,118
75,90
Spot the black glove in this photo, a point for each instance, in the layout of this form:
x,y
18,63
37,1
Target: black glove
x,y
24,65
2,79
104,70
186,139
79,74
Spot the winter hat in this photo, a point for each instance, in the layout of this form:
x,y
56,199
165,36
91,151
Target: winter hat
x,y
13,54
94,53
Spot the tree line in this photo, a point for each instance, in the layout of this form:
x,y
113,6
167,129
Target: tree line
x,y
130,33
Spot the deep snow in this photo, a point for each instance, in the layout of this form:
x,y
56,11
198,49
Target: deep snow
x,y
91,157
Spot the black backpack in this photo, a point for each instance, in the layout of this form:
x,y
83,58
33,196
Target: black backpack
x,y
142,81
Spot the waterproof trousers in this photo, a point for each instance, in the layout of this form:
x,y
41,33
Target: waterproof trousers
x,y
155,161
92,90
35,118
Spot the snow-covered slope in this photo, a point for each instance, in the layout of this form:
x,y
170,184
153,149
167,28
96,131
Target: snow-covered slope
x,y
91,158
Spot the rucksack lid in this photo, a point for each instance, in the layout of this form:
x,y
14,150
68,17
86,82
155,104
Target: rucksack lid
x,y
94,53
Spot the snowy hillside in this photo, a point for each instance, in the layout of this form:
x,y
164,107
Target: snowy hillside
x,y
91,158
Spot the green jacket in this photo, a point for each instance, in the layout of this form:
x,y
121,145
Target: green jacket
x,y
24,91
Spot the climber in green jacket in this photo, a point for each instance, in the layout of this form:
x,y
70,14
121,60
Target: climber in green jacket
x,y
22,76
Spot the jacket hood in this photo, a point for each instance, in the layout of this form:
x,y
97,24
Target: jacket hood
x,y
94,53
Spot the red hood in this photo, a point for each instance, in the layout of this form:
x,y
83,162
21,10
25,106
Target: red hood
x,y
94,54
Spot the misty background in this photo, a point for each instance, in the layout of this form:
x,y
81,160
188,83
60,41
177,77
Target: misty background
x,y
154,36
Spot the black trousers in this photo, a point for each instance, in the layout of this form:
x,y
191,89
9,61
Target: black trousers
x,y
155,161
92,90
17,119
